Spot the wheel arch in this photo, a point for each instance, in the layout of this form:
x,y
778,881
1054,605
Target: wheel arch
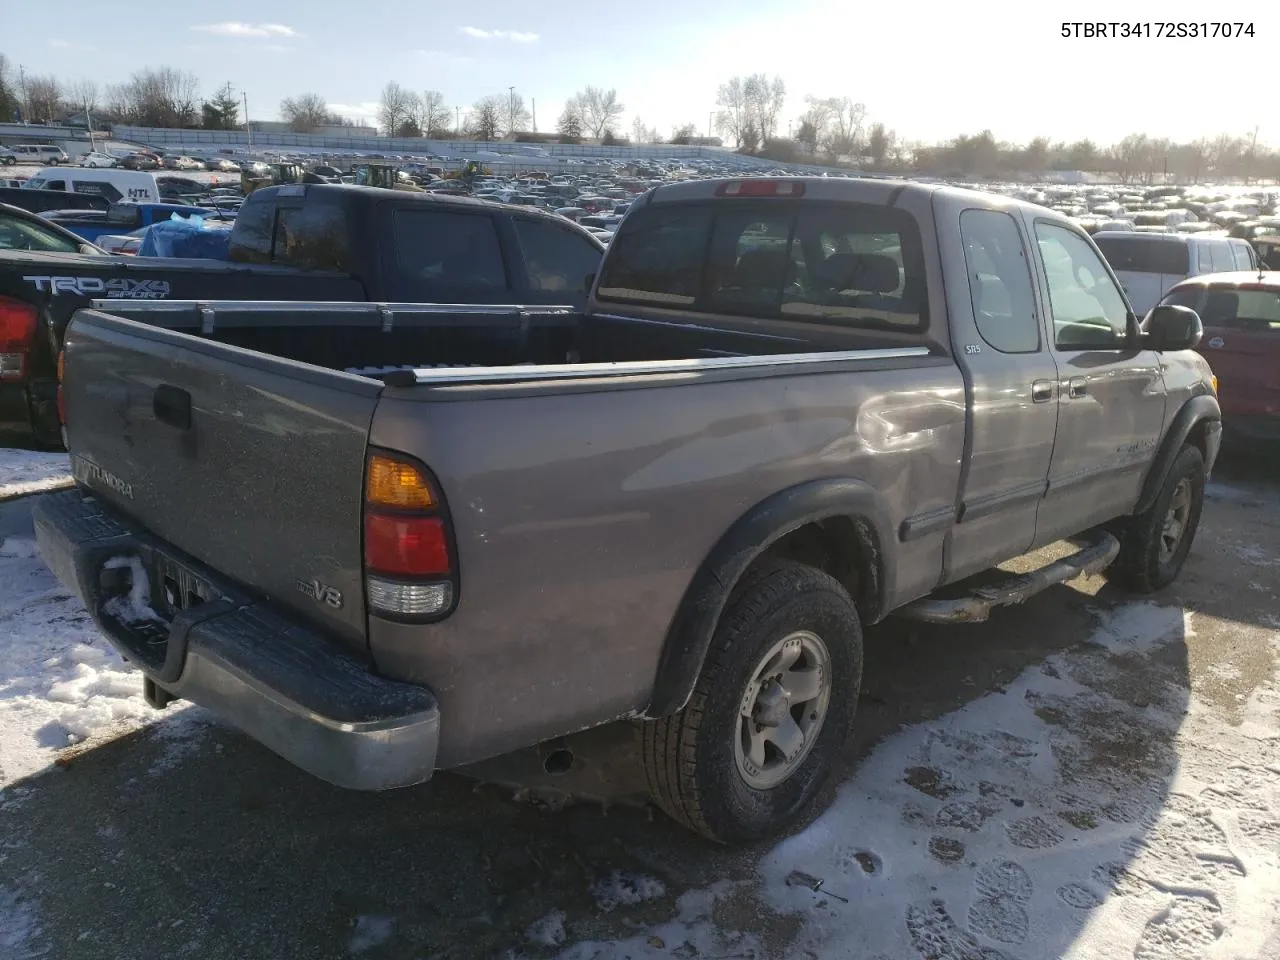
x,y
842,520
1191,424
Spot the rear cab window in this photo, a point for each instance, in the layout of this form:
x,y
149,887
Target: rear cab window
x,y
1256,310
857,265
1142,255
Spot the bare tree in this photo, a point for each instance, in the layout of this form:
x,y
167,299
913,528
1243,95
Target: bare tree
x,y
878,144
643,134
844,136
732,117
305,112
433,115
601,110
484,122
515,115
762,102
82,96
395,107
44,99
163,97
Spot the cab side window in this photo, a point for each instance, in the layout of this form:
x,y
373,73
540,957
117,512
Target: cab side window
x,y
1222,261
556,258
999,281
1088,310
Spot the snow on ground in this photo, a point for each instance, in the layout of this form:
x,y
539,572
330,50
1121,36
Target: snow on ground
x,y
29,471
1094,808
61,682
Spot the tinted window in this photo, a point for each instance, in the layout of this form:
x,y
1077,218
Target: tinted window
x,y
1240,252
748,261
1221,257
860,264
555,258
19,234
855,263
456,249
313,237
1088,309
658,257
999,281
1145,255
251,235
55,185
1255,310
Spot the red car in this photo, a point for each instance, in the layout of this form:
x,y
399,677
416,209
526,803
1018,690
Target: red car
x,y
1241,316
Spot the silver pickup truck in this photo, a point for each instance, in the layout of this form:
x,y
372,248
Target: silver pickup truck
x,y
389,539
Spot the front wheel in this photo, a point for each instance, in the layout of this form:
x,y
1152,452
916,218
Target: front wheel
x,y
1154,544
770,712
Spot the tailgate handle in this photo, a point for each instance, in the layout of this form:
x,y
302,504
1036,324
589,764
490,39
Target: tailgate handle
x,y
172,405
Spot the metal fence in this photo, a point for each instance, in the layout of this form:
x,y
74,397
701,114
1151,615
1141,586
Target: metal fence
x,y
522,155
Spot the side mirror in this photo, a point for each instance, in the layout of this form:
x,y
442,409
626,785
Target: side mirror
x,y
1169,327
588,282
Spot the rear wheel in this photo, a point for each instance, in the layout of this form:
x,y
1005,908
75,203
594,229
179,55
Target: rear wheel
x,y
769,713
1154,544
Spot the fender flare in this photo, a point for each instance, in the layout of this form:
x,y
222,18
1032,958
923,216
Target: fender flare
x,y
692,627
1195,411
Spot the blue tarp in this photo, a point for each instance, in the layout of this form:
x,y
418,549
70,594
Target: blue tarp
x,y
190,237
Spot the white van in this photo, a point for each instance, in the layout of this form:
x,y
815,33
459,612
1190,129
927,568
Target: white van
x,y
42,153
1148,264
137,186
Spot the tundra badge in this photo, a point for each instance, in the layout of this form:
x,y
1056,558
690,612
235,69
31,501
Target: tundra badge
x,y
320,592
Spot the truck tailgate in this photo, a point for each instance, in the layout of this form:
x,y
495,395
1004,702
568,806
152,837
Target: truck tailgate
x,y
251,464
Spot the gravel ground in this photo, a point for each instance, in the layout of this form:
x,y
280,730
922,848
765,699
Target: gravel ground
x,y
1082,776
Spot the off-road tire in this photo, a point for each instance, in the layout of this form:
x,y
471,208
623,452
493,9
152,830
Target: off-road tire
x,y
689,757
1139,567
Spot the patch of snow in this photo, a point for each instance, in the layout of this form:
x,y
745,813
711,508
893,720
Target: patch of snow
x,y
622,889
1230,494
30,471
549,931
20,931
370,931
1094,808
61,682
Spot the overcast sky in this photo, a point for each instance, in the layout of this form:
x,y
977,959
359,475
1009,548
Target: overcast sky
x,y
930,71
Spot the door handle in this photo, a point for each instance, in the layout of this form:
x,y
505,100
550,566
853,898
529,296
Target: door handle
x,y
1077,387
1042,391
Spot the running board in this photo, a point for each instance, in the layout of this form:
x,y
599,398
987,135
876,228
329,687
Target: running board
x,y
976,607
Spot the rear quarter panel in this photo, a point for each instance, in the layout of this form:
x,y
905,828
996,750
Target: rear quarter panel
x,y
582,516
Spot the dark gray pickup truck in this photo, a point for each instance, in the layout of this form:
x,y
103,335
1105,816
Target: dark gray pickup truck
x,y
791,408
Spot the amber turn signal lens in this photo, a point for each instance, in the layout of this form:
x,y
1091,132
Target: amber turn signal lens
x,y
396,484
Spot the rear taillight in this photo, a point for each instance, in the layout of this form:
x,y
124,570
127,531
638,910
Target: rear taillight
x,y
761,188
17,333
409,564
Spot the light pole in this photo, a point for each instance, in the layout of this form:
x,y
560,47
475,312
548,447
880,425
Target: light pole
x,y
247,127
710,118
511,112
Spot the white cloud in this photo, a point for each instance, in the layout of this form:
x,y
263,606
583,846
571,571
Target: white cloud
x,y
517,36
68,45
367,110
233,28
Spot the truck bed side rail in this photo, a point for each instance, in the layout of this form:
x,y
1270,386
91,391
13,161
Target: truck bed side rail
x,y
581,371
207,315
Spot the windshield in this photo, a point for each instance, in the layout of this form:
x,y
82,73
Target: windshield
x,y
1139,255
19,234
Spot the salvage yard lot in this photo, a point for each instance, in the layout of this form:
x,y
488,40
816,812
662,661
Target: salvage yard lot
x,y
1085,776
